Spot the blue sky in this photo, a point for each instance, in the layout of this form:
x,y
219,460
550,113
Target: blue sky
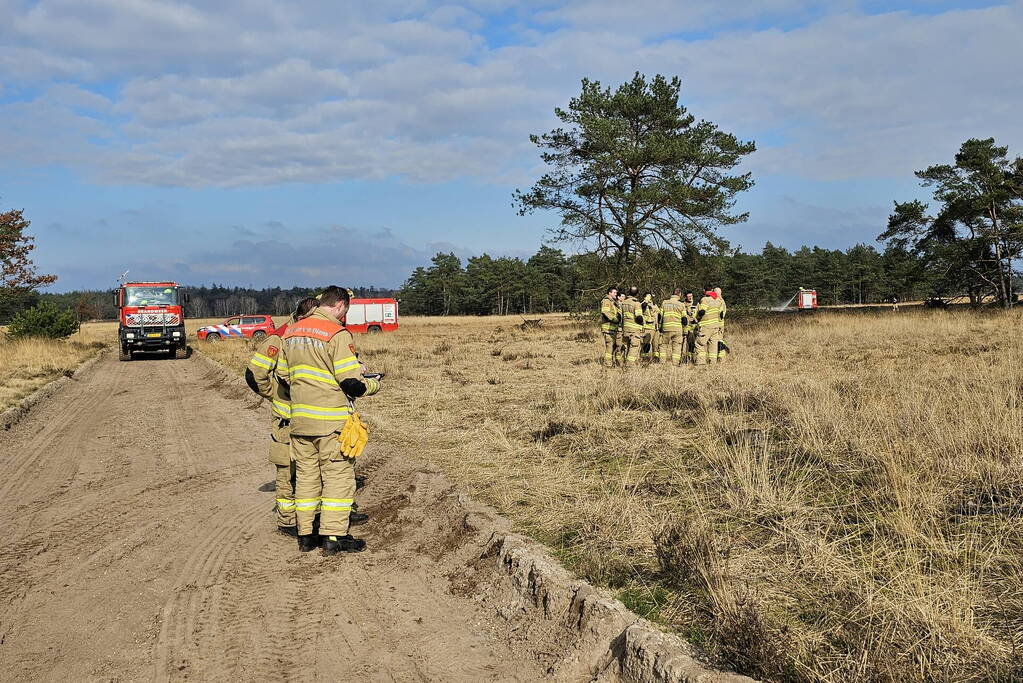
x,y
258,142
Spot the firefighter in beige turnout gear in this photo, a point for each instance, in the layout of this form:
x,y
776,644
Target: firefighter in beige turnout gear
x,y
651,323
266,368
262,378
722,347
324,375
689,327
632,326
709,319
673,315
610,319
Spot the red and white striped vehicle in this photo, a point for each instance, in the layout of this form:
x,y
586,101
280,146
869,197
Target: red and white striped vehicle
x,y
238,327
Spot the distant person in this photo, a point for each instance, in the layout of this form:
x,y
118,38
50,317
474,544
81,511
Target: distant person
x,y
689,325
672,341
895,304
623,347
722,346
632,326
708,327
610,323
650,323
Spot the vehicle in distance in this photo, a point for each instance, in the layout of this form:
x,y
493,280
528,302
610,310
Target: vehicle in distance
x,y
238,327
372,315
151,318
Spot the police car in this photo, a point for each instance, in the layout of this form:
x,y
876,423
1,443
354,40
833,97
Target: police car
x,y
238,327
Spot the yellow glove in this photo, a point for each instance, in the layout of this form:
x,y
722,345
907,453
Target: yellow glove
x,y
353,436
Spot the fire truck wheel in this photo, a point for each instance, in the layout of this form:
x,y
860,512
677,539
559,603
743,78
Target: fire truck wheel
x,y
123,354
373,329
258,334
212,337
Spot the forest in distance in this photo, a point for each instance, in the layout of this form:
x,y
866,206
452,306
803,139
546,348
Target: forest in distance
x,y
551,280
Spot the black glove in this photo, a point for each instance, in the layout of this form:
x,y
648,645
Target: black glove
x,y
353,387
250,379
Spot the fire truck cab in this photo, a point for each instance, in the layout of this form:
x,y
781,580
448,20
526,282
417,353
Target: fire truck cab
x,y
372,315
151,318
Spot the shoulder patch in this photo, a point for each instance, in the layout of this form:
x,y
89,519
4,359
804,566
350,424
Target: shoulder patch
x,y
272,351
351,347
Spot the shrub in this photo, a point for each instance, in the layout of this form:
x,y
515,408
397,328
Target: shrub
x,y
44,320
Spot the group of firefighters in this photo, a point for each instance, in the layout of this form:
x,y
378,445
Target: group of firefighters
x,y
310,372
677,331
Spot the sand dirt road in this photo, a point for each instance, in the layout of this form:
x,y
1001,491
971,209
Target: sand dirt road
x,y
137,543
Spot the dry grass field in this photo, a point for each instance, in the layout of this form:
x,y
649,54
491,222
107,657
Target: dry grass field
x,y
841,500
30,363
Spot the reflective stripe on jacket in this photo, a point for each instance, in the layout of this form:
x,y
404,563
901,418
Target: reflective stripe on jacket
x,y
609,315
690,309
320,354
650,316
631,308
268,366
672,313
712,311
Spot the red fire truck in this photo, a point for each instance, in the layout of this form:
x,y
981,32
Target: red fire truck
x,y
372,315
152,318
806,299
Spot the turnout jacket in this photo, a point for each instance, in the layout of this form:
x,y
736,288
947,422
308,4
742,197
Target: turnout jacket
x,y
324,374
713,311
610,315
673,313
632,316
266,368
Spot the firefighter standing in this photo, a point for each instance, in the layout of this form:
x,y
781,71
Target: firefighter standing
x,y
689,327
650,324
266,368
324,373
632,326
708,328
672,340
722,346
623,340
610,316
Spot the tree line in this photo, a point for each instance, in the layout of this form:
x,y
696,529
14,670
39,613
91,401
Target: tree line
x,y
552,280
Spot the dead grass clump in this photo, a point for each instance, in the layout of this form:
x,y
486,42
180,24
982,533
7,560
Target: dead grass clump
x,y
585,336
555,428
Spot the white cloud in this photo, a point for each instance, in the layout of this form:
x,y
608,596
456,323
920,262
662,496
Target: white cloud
x,y
260,92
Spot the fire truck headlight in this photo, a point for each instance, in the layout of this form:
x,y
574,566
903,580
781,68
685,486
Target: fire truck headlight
x,y
177,334
130,335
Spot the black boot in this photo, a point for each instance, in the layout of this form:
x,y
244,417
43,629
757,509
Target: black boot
x,y
357,518
332,545
308,543
288,530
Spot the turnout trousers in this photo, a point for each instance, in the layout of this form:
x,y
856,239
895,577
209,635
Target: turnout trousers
x,y
610,348
707,339
324,481
634,344
280,458
672,344
285,495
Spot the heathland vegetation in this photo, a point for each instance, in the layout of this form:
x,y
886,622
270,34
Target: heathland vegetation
x,y
838,501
